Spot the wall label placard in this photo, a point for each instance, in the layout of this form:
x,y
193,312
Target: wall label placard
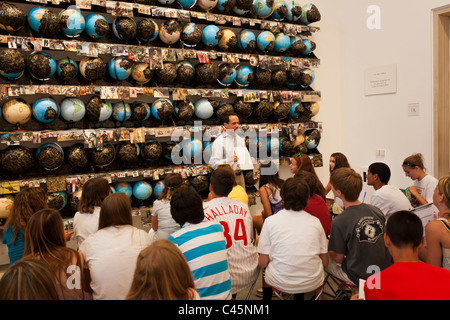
x,y
380,80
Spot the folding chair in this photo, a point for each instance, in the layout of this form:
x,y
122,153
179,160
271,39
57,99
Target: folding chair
x,y
340,289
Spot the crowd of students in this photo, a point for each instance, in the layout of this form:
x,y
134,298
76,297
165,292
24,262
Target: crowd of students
x,y
214,249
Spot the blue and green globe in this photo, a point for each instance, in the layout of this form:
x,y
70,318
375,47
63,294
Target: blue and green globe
x,y
45,110
282,42
187,4
124,187
244,75
209,35
96,26
263,8
246,40
142,190
119,68
265,41
121,111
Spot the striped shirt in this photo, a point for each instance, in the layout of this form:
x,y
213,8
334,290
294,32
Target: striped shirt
x,y
203,246
237,222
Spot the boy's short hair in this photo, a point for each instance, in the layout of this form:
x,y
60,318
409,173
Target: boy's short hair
x,y
382,170
222,182
404,228
186,205
294,194
310,180
348,181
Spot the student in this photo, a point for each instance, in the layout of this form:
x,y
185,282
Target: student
x,y
356,237
28,279
293,246
316,206
237,222
238,192
162,273
163,224
85,221
437,232
230,148
45,241
424,184
303,162
387,198
111,252
269,190
408,278
26,203
202,243
337,160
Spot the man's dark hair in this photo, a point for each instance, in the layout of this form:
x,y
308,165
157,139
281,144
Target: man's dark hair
x,y
310,180
186,205
294,194
404,228
382,170
222,182
226,117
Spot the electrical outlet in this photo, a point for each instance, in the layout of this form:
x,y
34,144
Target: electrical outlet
x,y
413,109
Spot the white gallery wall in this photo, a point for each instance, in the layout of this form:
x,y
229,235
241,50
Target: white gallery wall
x,y
358,125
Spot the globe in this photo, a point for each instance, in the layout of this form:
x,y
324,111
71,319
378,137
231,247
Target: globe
x,y
127,152
294,11
12,64
96,26
140,111
273,145
119,68
72,109
12,18
206,151
312,138
206,73
286,147
282,42
16,159
243,109
43,21
74,199
207,4
141,72
297,46
124,187
281,110
263,77
72,22
278,78
296,107
306,77
310,46
98,109
92,68
158,188
314,107
57,200
191,34
185,72
105,156
151,150
187,4
184,110
299,144
244,75
45,110
209,35
227,74
225,6
41,65
227,40
263,110
16,111
67,69
6,204
162,109
167,74
199,183
147,30
293,76
170,31
280,9
203,109
310,14
242,7
142,190
192,147
77,156
263,8
121,111
50,156
246,40
265,41
166,2
124,28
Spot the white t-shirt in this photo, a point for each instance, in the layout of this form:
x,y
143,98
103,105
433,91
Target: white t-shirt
x,y
390,199
166,224
85,224
293,240
111,255
426,187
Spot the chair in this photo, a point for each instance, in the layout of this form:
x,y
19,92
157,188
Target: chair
x,y
343,290
287,296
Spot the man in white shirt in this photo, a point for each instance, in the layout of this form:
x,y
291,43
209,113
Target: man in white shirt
x,y
230,148
387,198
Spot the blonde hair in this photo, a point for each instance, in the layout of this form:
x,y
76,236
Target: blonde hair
x,y
444,189
162,273
414,160
348,181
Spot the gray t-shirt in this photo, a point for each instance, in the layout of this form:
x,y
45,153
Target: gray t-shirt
x,y
358,232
